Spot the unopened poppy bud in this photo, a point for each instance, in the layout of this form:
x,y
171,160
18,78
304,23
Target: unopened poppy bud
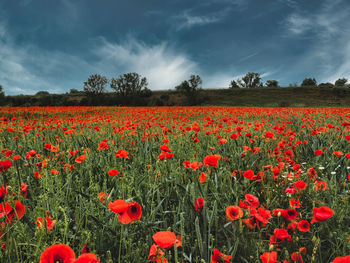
x,y
314,238
279,214
271,247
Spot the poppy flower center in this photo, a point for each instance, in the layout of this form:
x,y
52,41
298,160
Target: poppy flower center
x,y
133,209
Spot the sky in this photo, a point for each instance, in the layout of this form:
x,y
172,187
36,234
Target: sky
x,y
56,45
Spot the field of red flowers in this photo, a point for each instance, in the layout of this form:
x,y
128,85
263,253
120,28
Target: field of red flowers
x,y
174,184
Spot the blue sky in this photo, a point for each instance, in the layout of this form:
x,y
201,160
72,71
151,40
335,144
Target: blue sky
x,y
56,45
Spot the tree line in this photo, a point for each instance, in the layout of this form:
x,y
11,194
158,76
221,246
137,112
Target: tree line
x,y
132,89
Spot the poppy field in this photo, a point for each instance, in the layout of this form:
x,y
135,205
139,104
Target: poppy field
x,y
174,184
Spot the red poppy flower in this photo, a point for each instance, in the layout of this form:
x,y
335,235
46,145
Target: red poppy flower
x,y
5,165
31,154
8,153
49,223
122,154
289,214
202,177
322,213
234,212
169,155
269,134
118,206
134,212
186,164
18,211
102,197
218,257
80,159
5,209
249,174
321,185
269,257
156,254
304,226
294,203
61,253
211,160
199,204
24,191
113,172
234,136
318,152
301,185
3,193
261,216
252,200
196,165
345,259
165,148
279,235
87,258
127,212
296,257
290,190
165,239
103,146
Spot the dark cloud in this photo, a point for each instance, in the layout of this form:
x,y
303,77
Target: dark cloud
x,y
56,45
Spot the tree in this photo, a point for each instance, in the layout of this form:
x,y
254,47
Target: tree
x,y
191,89
309,82
2,96
326,85
130,84
95,85
340,82
42,93
272,83
234,85
74,91
250,80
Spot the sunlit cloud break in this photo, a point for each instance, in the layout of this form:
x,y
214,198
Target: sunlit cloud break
x,y
162,66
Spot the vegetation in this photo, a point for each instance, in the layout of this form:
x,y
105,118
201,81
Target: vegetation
x,y
189,184
250,80
191,89
271,83
309,82
95,85
132,89
340,82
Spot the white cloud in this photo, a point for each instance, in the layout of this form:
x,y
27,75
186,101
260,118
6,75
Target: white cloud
x,y
298,24
187,21
160,64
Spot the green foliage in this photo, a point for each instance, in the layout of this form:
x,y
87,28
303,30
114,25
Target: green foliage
x,y
191,89
309,82
234,85
250,80
340,82
74,91
2,96
95,85
326,85
272,83
129,85
42,93
165,189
